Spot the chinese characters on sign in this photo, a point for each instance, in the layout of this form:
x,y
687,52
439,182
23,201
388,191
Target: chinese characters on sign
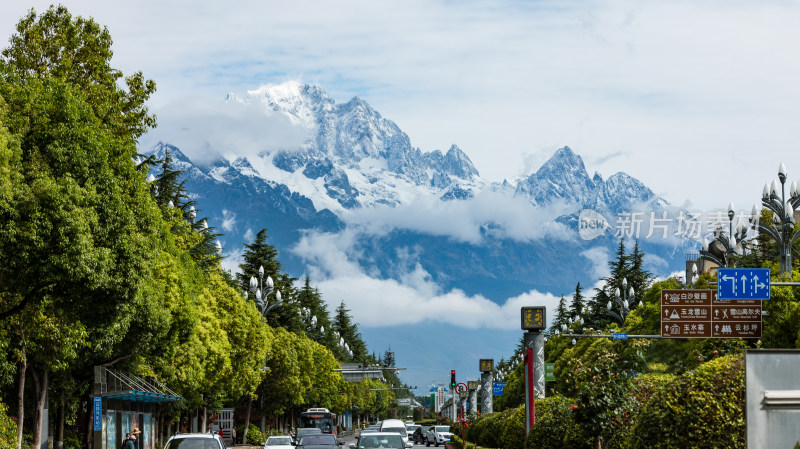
x,y
533,318
486,365
698,314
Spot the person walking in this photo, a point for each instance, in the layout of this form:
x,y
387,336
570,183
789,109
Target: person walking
x,y
130,443
233,436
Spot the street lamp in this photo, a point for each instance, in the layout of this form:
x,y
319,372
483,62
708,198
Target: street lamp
x,y
622,302
261,293
724,245
781,229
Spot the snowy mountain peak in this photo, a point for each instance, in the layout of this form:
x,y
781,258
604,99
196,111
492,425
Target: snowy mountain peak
x,y
564,178
301,102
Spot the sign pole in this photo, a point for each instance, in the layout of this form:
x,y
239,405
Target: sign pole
x,y
533,322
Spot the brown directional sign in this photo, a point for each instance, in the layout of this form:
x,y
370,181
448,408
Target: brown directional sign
x,y
692,313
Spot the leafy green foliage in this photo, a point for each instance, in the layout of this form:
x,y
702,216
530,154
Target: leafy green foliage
x,y
8,429
705,408
555,426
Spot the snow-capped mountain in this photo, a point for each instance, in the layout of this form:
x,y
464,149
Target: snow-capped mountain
x,y
355,159
564,178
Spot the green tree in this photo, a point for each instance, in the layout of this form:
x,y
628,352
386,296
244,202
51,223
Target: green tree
x,y
562,314
78,52
348,330
577,305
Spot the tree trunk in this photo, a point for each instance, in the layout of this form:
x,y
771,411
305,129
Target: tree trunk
x,y
246,420
59,443
40,387
23,367
204,429
598,443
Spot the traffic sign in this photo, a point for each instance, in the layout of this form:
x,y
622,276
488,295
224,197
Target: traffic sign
x,y
461,387
743,283
548,372
497,388
699,314
619,336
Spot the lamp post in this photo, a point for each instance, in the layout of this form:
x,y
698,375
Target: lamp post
x,y
724,245
781,228
621,301
261,293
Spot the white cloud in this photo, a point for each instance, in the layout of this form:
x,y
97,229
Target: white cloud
x,y
249,235
232,258
598,256
412,299
490,212
228,220
205,129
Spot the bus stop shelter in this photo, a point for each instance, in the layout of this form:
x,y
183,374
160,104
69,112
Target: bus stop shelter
x,y
123,402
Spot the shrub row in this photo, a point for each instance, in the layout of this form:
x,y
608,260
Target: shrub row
x,y
704,408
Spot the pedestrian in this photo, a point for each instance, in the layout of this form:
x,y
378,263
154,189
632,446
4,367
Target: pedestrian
x,y
135,437
130,443
233,435
125,441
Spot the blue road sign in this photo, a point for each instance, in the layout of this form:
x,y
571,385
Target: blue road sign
x,y
619,336
98,414
743,283
497,388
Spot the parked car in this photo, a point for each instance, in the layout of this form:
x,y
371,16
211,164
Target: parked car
x,y
303,431
278,442
318,441
194,441
395,425
388,440
437,435
419,435
410,429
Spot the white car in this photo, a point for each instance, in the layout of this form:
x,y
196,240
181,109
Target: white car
x,y
437,435
278,442
389,440
194,440
395,425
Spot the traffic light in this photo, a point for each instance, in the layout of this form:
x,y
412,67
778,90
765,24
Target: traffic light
x,y
452,378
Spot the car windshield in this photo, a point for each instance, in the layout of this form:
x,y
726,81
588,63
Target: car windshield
x,y
279,441
400,430
193,443
442,428
412,428
309,440
385,441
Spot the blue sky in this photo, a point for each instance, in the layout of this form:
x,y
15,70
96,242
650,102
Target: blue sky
x,y
698,99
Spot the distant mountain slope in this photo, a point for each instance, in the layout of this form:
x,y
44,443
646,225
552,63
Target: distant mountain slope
x,y
357,160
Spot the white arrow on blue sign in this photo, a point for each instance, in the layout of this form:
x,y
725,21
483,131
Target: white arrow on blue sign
x,y
743,283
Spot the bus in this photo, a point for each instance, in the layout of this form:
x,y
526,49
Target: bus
x,y
321,418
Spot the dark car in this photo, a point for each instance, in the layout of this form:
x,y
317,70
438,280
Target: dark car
x,y
303,431
418,437
318,441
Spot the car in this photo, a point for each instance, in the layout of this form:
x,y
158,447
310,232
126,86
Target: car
x,y
303,431
318,441
410,429
395,425
386,440
278,442
437,435
419,435
195,441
